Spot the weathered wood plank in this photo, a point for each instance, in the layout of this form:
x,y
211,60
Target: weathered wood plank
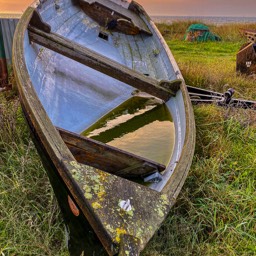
x,y
108,158
163,89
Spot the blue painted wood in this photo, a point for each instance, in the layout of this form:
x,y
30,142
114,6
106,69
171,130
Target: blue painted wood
x,y
75,96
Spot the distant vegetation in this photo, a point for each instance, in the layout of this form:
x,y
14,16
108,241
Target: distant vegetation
x,y
215,212
228,32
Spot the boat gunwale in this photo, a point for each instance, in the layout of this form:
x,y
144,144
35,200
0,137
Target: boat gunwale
x,y
185,160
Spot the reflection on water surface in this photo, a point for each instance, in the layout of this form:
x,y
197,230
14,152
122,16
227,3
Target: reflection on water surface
x,y
141,126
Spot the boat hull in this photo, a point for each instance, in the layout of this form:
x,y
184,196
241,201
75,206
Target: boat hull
x,y
93,201
82,240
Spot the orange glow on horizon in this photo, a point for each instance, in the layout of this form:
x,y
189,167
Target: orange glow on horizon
x,y
168,7
224,8
14,6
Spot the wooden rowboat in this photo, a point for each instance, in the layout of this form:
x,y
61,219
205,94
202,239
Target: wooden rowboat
x,y
110,115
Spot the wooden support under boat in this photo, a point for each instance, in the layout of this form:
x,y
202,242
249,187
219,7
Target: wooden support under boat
x,y
162,89
108,158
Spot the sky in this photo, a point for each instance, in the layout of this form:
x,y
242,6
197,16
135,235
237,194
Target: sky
x,y
14,6
241,8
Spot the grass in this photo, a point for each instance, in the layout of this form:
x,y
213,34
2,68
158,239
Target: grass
x,y
215,212
212,65
30,223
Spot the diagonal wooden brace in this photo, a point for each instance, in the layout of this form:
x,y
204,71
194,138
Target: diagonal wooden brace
x,y
108,158
160,89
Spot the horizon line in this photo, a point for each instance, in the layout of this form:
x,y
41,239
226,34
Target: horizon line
x,y
200,16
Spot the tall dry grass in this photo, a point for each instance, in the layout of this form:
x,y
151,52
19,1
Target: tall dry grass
x,y
30,221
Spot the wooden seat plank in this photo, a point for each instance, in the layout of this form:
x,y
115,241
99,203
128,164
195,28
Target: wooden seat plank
x,y
163,89
108,158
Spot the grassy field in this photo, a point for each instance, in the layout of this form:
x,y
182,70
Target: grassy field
x,y
215,212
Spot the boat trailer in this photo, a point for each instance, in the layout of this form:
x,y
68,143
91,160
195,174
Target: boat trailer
x,y
198,95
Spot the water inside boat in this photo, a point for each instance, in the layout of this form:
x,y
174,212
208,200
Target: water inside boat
x,y
142,126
